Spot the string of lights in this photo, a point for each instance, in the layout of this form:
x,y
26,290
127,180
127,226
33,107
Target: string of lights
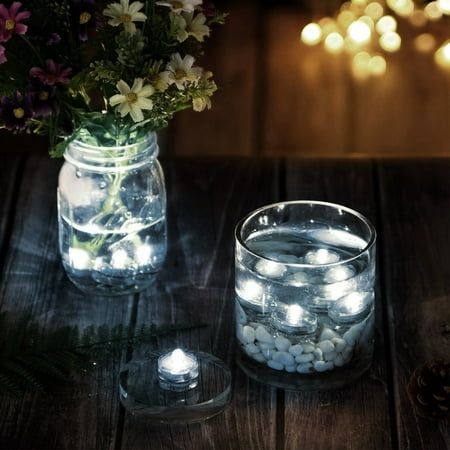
x,y
369,31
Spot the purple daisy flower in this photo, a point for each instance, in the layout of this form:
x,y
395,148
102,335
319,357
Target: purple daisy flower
x,y
54,38
11,21
53,74
15,111
43,98
83,15
2,54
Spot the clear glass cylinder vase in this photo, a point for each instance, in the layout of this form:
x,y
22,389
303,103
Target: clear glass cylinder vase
x,y
112,216
305,280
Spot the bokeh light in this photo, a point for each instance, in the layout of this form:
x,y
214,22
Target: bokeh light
x,y
390,41
442,55
377,65
385,24
424,43
374,10
359,32
432,11
444,6
311,34
334,43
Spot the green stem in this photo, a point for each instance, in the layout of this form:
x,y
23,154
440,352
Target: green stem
x,y
33,49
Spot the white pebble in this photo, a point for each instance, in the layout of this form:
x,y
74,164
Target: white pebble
x,y
339,343
264,336
318,354
328,334
251,349
304,368
326,346
266,345
282,344
267,352
270,269
290,369
296,350
284,358
329,356
322,366
275,365
339,361
308,348
259,357
249,334
240,334
304,358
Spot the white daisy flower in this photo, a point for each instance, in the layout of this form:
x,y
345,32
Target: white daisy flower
x,y
179,26
201,103
178,6
133,100
180,71
195,26
125,14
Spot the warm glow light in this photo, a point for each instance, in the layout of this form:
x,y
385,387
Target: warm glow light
x,y
377,65
79,259
294,314
327,25
119,259
433,11
359,32
360,68
359,2
402,7
424,43
368,21
374,10
444,6
345,18
334,42
442,55
418,18
143,254
390,41
311,34
385,24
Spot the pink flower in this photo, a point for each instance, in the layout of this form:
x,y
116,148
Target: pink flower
x,y
2,54
10,21
53,74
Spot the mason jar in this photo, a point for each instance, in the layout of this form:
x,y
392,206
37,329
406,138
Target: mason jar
x,y
112,216
305,280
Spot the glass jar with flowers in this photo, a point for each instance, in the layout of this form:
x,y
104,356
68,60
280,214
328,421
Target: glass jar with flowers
x,y
100,78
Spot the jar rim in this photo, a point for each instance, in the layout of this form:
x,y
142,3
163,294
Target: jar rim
x,y
373,234
149,137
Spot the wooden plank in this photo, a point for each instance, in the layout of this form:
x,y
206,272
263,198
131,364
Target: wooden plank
x,y
207,198
228,128
356,417
82,415
305,96
415,201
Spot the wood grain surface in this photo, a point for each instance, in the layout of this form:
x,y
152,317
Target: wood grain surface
x,y
409,203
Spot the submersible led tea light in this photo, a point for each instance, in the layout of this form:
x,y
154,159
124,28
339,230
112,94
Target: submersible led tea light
x,y
177,370
175,386
293,319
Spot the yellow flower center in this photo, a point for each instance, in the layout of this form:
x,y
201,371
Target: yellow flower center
x,y
180,74
125,18
131,97
85,17
18,113
177,4
9,24
43,95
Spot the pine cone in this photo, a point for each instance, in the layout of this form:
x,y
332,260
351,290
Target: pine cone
x,y
429,389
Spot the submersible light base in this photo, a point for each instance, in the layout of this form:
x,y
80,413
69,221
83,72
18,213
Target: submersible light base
x,y
175,387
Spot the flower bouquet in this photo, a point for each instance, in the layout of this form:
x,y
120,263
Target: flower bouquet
x,y
102,71
100,78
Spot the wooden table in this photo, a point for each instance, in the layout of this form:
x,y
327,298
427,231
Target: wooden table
x,y
407,200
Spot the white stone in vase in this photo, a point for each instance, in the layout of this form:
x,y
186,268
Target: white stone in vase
x,y
304,358
262,335
249,334
284,358
322,366
290,369
282,344
296,350
339,343
326,346
275,365
305,368
251,349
